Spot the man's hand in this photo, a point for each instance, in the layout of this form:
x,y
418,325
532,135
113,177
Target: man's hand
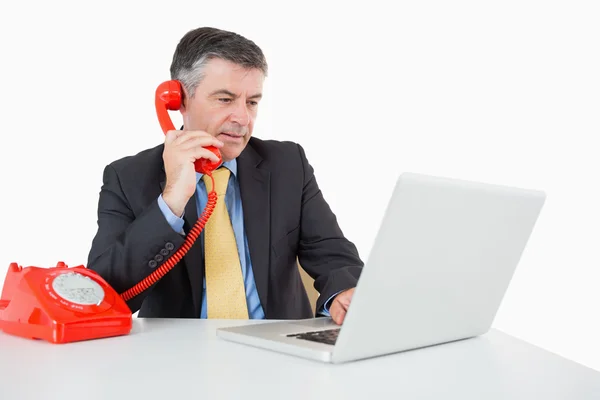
x,y
340,305
182,149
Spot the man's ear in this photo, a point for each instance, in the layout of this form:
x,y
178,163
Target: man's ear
x,y
184,100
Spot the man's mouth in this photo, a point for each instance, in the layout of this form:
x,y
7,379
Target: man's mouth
x,y
232,134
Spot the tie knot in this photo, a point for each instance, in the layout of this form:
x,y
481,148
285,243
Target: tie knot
x,y
221,176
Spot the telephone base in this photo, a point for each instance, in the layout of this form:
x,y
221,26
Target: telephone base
x,y
64,333
61,305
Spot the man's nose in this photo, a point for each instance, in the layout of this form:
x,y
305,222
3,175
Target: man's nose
x,y
240,114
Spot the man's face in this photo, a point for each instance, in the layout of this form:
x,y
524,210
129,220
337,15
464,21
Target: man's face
x,y
225,105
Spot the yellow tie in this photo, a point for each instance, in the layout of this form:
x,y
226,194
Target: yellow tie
x,y
226,297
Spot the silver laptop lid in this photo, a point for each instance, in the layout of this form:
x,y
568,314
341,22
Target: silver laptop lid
x,y
440,265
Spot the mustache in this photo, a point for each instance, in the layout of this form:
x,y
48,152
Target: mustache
x,y
238,130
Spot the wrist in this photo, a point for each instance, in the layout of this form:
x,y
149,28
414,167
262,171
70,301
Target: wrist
x,y
175,203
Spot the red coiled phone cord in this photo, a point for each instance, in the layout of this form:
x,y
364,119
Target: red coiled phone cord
x,y
175,258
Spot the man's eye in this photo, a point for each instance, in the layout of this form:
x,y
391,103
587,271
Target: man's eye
x,y
253,103
225,100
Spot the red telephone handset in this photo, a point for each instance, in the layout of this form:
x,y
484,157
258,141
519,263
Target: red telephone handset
x,y
168,97
64,304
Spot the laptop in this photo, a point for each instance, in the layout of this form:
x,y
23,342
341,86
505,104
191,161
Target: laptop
x,y
441,262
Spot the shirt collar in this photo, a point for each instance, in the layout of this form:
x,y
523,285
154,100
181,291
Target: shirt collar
x,y
230,165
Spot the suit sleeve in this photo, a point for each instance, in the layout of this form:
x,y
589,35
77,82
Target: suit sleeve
x,y
127,247
324,252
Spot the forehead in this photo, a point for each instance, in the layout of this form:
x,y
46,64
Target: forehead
x,y
223,74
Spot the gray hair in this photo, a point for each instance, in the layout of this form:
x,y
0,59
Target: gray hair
x,y
201,45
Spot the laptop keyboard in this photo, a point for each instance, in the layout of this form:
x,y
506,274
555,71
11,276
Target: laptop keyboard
x,y
328,336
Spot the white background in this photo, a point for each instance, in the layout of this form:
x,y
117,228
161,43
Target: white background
x,y
505,93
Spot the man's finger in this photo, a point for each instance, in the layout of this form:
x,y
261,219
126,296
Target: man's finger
x,y
345,303
200,142
337,313
333,311
170,136
193,135
340,316
334,316
344,300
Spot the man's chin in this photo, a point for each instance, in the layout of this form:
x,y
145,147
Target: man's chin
x,y
229,152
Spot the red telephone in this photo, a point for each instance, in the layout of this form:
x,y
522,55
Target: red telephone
x,y
63,304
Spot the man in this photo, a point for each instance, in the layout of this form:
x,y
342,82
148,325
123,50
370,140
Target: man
x,y
274,213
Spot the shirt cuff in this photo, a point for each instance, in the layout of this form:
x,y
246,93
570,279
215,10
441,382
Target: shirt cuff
x,y
325,310
173,220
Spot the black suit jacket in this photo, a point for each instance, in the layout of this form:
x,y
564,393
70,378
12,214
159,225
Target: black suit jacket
x,y
285,216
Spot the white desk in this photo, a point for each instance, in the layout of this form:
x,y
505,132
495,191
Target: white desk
x,y
183,359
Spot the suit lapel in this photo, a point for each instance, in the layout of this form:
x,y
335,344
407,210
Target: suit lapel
x,y
193,259
255,193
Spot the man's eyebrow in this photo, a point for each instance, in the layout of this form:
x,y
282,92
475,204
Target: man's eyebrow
x,y
228,93
222,91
